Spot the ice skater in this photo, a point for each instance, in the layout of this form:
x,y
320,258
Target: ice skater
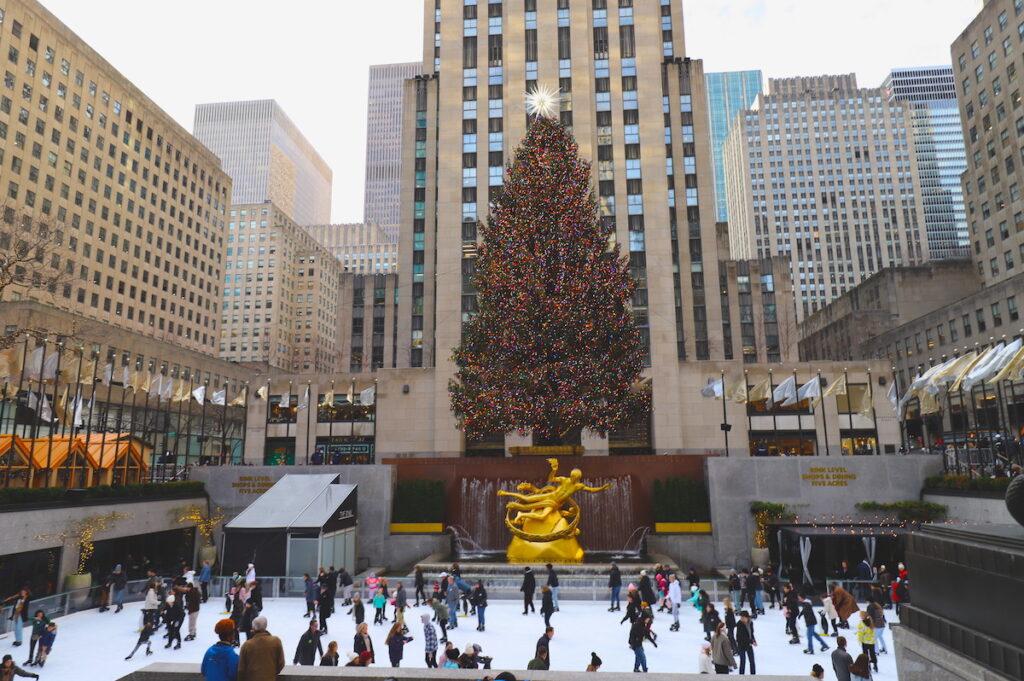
x,y
637,633
46,644
745,642
144,636
8,670
675,599
547,604
615,584
810,620
553,584
429,642
39,622
528,588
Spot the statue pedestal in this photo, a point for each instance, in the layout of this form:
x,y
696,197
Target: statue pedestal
x,y
566,550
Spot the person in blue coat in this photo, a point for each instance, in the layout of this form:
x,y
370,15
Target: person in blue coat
x,y
205,575
220,663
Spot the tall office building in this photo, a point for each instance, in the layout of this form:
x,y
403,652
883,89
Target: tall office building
x,y
824,172
637,109
282,294
729,92
382,202
930,92
361,248
137,203
267,158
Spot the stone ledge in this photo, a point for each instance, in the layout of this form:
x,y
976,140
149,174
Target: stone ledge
x,y
168,671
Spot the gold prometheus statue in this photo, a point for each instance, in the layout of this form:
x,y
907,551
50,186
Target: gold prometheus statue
x,y
545,527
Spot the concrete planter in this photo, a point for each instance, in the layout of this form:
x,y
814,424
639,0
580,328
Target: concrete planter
x,y
78,585
759,557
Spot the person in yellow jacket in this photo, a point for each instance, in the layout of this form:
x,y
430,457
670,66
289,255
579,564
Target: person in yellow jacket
x,y
866,636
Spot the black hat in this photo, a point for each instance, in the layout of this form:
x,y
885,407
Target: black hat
x,y
526,569
595,661
744,613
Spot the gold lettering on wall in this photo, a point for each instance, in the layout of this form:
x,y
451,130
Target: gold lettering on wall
x,y
829,476
252,484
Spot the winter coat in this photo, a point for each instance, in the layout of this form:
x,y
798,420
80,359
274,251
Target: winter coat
x,y
372,583
807,612
419,580
39,627
646,590
877,615
864,571
841,661
452,597
192,600
537,664
6,674
309,646
754,583
711,620
325,603
220,663
429,638
547,602
261,658
705,664
117,580
845,604
151,602
401,601
721,651
865,633
830,609
734,583
440,611
614,577
379,599
396,646
329,660
545,643
730,619
675,593
359,612
529,583
637,633
745,635
205,574
344,578
245,621
47,639
478,598
312,592
361,643
552,578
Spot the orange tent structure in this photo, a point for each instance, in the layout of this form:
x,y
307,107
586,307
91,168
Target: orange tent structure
x,y
14,464
66,461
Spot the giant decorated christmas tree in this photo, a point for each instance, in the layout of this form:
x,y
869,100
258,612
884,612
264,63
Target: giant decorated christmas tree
x,y
554,348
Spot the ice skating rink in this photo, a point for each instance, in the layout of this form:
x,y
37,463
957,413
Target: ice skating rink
x,y
99,642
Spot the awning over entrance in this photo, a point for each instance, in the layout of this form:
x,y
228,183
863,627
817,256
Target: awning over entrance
x,y
299,503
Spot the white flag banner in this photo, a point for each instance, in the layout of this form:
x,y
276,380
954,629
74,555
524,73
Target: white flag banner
x,y
167,389
261,392
891,396
34,364
368,396
286,400
156,386
991,363
50,365
126,377
785,392
714,388
41,407
811,390
77,418
305,399
108,374
219,397
199,394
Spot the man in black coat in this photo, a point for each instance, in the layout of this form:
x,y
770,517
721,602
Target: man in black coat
x,y
528,588
646,589
325,606
309,646
545,642
553,585
615,584
745,641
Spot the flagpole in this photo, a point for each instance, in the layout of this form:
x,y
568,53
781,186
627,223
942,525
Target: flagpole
x,y
771,402
39,402
95,356
849,413
145,420
106,415
266,422
824,415
245,417
53,403
14,424
899,414
202,418
874,414
799,420
999,402
120,424
746,405
131,427
188,419
310,433
223,427
725,417
78,384
330,425
166,420
352,410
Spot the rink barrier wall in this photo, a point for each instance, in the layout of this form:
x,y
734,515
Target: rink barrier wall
x,y
168,671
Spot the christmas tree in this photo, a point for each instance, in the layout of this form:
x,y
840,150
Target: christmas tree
x,y
554,348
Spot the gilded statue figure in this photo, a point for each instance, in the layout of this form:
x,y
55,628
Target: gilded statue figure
x,y
545,526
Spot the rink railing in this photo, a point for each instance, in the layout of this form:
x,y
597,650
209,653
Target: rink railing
x,y
68,602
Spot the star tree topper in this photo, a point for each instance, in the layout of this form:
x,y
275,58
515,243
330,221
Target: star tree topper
x,y
543,101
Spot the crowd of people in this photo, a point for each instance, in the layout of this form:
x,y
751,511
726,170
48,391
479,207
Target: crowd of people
x,y
729,643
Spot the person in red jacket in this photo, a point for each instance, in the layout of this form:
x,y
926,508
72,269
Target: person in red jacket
x,y
900,588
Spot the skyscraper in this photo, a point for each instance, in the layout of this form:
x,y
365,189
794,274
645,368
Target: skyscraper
x,y
930,92
361,248
382,203
267,158
729,92
138,203
823,172
638,111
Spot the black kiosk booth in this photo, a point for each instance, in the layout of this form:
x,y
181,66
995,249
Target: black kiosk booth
x,y
301,523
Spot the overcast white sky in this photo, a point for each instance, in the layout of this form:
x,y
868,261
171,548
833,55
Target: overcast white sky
x,y
312,55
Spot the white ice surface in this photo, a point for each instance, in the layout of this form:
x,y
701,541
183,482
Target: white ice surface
x,y
99,642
